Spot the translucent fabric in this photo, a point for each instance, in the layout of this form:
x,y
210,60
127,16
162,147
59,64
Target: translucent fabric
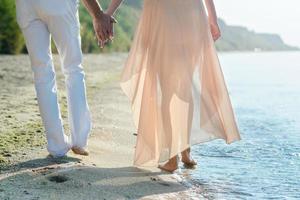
x,y
174,82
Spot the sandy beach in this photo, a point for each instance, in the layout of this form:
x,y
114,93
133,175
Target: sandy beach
x,y
27,172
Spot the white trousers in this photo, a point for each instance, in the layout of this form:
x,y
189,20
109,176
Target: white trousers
x,y
40,20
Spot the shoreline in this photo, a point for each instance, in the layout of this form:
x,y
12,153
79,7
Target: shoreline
x,y
108,172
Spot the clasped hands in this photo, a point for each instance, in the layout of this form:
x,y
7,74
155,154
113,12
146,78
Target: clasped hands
x,y
104,28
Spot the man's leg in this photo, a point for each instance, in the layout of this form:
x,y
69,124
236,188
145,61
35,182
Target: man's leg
x,y
38,44
66,34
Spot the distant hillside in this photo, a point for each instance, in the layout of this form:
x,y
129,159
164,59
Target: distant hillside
x,y
238,38
234,38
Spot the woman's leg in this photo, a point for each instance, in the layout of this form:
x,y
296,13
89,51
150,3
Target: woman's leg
x,y
185,155
172,163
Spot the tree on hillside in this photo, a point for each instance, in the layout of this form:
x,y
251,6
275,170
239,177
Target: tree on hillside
x,y
11,40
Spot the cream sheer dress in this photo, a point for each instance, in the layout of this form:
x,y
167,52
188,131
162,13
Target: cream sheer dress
x,y
174,82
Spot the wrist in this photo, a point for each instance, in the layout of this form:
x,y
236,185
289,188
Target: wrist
x,y
109,12
213,22
98,15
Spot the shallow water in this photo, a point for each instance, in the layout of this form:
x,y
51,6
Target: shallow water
x,y
265,92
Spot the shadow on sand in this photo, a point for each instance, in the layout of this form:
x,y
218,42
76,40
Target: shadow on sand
x,y
82,182
37,163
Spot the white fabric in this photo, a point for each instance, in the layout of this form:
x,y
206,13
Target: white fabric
x,y
39,20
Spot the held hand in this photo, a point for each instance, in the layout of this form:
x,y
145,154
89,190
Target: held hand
x,y
215,31
103,26
112,22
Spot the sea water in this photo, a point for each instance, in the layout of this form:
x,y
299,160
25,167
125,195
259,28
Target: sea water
x,y
265,93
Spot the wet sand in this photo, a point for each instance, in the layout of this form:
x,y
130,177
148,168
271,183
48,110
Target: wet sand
x,y
27,172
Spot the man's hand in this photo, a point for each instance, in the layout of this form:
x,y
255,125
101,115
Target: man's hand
x,y
103,26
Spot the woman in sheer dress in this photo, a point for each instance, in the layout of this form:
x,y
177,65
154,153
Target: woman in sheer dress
x,y
175,83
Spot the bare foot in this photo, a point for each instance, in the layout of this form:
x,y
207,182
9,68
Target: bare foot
x,y
80,151
187,160
170,166
55,156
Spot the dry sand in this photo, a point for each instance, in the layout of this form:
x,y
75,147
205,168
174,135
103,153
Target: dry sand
x,y
27,172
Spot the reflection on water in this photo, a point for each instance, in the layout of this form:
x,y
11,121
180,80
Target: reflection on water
x,y
265,92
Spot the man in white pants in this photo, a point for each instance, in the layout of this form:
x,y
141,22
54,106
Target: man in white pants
x,y
40,20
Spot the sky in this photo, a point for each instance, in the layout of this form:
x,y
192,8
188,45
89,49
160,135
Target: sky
x,y
266,16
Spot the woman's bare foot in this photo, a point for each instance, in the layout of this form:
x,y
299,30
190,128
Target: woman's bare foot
x,y
170,166
187,160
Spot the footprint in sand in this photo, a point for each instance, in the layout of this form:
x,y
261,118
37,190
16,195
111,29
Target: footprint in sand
x,y
58,178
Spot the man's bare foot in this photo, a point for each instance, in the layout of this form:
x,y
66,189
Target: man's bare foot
x,y
80,151
51,156
170,166
187,160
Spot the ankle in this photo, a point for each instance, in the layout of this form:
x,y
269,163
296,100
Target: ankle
x,y
173,161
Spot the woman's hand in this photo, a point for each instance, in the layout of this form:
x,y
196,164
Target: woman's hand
x,y
213,20
215,31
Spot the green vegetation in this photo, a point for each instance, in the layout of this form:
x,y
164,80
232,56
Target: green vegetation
x,y
234,38
11,40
